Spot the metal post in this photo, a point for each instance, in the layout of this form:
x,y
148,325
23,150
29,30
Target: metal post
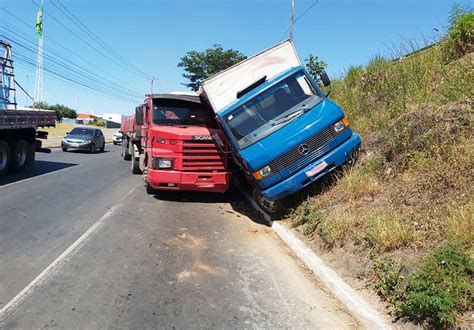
x,y
292,22
152,79
26,96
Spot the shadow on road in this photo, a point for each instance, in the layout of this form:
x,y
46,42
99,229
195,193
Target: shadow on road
x,y
87,152
41,167
233,196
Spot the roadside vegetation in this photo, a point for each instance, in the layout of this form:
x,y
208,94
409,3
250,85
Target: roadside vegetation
x,y
61,110
405,210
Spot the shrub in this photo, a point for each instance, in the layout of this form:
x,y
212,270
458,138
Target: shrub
x,y
98,122
388,279
441,289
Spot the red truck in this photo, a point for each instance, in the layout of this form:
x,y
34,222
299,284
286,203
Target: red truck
x,y
169,140
18,128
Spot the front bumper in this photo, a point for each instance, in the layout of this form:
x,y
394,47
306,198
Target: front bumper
x,y
75,146
188,181
299,180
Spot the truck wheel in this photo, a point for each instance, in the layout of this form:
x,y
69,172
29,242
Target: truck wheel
x,y
19,157
125,153
136,166
4,157
271,207
150,190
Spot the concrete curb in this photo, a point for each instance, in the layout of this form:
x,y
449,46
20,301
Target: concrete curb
x,y
355,304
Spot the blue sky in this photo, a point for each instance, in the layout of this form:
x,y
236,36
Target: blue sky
x,y
153,35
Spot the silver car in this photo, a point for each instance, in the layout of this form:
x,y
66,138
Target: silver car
x,y
84,138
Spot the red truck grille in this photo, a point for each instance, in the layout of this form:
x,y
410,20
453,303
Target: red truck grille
x,y
202,156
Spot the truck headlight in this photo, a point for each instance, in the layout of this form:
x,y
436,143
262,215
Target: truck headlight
x,y
160,163
263,173
341,124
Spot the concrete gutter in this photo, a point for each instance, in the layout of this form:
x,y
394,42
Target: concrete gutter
x,y
355,304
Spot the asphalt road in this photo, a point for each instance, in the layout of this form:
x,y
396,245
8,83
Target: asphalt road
x,y
83,246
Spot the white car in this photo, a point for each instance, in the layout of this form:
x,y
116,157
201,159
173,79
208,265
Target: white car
x,y
117,139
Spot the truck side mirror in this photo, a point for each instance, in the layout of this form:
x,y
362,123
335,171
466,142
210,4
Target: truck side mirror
x,y
139,115
324,78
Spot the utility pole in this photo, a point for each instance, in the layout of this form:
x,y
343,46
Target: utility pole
x,y
292,22
152,79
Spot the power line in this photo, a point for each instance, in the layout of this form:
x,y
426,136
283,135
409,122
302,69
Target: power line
x,y
63,78
84,41
94,36
95,85
72,67
59,45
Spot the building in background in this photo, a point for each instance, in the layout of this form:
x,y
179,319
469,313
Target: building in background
x,y
113,120
84,118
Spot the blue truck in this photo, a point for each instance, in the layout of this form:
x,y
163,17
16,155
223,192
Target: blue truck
x,y
284,132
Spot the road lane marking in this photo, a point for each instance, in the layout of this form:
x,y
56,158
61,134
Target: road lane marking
x,y
56,265
39,176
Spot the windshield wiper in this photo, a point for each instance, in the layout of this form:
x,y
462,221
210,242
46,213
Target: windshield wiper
x,y
291,116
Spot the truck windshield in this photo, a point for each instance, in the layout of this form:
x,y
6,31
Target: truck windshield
x,y
272,109
168,112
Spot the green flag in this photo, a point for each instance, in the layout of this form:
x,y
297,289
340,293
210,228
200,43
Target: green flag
x,y
39,22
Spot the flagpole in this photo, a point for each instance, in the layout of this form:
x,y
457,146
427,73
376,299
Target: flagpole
x,y
38,97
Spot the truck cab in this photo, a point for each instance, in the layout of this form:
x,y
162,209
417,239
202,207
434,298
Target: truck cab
x,y
173,145
284,131
287,134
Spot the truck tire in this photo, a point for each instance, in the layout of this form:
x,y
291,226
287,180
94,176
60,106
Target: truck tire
x,y
125,153
271,207
5,157
150,190
19,155
136,166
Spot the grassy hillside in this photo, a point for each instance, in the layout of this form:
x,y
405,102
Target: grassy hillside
x,y
405,210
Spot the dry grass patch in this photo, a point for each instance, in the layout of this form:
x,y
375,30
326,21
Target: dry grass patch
x,y
60,130
387,231
356,184
460,225
338,228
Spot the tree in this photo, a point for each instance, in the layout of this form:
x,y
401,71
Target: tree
x,y
201,65
315,66
62,111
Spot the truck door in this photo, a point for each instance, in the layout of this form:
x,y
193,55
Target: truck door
x,y
145,126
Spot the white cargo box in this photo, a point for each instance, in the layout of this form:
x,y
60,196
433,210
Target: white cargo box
x,y
222,88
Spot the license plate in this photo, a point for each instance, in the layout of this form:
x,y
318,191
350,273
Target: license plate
x,y
315,170
74,144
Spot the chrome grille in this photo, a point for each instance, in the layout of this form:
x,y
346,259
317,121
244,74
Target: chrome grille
x,y
292,160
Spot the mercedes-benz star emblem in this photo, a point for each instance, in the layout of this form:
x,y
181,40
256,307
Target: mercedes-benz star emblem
x,y
303,149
